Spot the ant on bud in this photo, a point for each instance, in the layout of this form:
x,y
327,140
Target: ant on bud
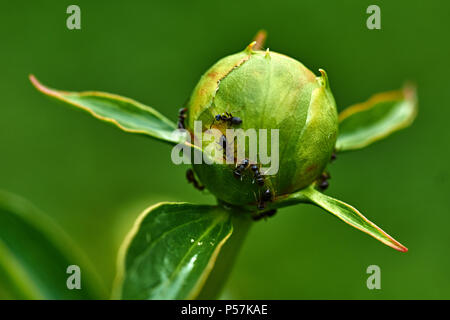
x,y
258,177
191,179
228,118
257,174
181,118
240,168
266,196
224,144
322,182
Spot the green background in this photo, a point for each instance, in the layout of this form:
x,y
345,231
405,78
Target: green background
x,y
94,180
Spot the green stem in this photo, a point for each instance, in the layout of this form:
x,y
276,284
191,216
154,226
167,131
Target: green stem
x,y
224,263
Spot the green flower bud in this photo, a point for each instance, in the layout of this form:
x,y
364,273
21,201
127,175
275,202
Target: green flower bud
x,y
266,90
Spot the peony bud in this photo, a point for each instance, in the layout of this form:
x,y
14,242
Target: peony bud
x,y
266,90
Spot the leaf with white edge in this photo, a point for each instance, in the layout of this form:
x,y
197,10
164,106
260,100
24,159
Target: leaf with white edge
x,y
171,251
362,124
349,215
127,114
35,255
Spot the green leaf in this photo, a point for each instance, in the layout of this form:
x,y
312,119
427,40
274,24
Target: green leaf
x,y
35,254
171,251
127,114
348,214
362,124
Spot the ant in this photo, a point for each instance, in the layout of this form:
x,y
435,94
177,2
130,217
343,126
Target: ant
x,y
258,177
323,183
266,196
224,144
191,179
227,117
240,168
181,118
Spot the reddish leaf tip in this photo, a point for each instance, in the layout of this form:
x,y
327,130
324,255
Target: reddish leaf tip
x,y
402,248
42,88
395,244
35,82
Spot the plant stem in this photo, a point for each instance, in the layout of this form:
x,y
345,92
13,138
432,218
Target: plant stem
x,y
241,224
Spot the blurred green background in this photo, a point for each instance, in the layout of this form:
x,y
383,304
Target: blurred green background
x,y
93,179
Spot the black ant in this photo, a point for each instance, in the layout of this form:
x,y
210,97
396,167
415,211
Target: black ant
x,y
191,179
254,167
258,177
227,117
266,196
181,118
323,183
240,168
224,144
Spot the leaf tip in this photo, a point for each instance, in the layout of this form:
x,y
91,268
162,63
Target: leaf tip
x,y
398,246
323,79
410,92
33,80
391,242
39,86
